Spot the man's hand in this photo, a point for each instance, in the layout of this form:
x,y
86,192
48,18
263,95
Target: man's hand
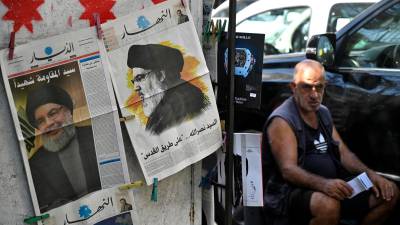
x,y
382,188
337,189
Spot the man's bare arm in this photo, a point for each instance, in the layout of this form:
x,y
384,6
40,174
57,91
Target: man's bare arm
x,y
353,164
284,149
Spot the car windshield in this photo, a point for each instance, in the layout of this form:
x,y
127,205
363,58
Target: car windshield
x,y
343,13
376,44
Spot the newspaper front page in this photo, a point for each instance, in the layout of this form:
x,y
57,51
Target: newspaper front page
x,y
163,88
66,119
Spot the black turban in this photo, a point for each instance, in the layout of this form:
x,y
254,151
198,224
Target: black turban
x,y
43,95
156,57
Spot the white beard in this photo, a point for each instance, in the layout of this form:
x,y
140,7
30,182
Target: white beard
x,y
149,104
57,144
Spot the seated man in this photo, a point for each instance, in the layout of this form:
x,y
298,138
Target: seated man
x,y
307,162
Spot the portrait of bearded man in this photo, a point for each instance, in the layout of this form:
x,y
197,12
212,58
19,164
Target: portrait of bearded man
x,y
65,167
167,99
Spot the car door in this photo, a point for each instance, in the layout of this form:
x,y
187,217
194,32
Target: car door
x,y
364,88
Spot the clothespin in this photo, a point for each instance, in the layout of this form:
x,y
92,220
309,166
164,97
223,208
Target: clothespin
x,y
213,30
154,192
224,137
207,180
123,119
98,25
204,182
11,46
131,185
218,25
221,30
206,32
35,219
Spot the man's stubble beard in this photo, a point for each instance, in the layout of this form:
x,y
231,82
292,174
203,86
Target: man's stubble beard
x,y
59,143
302,104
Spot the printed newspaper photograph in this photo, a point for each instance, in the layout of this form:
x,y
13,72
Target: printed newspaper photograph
x,y
66,118
163,88
55,121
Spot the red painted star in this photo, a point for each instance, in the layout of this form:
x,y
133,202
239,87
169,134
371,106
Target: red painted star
x,y
155,2
103,8
22,12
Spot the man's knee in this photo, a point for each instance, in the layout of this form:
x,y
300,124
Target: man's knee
x,y
324,206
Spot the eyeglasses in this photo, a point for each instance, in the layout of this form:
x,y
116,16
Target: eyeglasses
x,y
309,87
51,115
139,77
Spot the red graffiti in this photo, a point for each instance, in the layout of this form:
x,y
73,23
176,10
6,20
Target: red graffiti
x,y
22,12
155,2
103,8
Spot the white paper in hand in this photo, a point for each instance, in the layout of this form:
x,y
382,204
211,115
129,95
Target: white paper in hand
x,y
360,183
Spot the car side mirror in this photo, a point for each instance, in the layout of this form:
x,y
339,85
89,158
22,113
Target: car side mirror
x,y
321,48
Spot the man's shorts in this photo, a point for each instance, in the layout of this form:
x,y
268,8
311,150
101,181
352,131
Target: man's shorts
x,y
299,206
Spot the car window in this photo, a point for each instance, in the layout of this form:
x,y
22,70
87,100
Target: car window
x,y
222,13
342,13
377,43
225,12
286,29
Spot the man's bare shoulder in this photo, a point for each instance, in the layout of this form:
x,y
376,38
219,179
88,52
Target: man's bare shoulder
x,y
278,123
280,129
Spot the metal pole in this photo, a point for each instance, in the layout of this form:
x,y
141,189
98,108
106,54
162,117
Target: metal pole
x,y
230,125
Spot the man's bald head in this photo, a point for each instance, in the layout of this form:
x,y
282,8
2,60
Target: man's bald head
x,y
308,85
305,67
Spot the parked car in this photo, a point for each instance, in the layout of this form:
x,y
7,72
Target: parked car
x,y
222,11
287,24
362,62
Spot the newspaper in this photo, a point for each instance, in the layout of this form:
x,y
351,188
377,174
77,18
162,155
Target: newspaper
x,y
100,207
162,82
66,118
360,183
248,146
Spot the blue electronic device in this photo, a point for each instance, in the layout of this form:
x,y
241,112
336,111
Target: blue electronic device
x,y
244,62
